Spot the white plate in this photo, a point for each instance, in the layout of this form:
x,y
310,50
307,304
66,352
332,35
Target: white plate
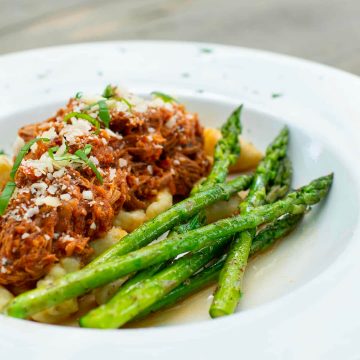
x,y
301,301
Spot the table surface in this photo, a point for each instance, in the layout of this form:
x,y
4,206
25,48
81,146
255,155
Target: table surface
x,y
326,31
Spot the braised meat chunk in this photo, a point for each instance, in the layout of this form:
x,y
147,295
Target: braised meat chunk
x,y
71,185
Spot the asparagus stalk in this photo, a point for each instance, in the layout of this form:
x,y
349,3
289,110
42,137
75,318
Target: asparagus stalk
x,y
228,292
226,152
136,288
124,307
80,282
281,185
265,239
177,214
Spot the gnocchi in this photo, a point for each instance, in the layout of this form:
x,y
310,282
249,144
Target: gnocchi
x,y
62,311
249,157
5,168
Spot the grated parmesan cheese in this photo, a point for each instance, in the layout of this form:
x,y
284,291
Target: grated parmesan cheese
x,y
122,162
59,173
41,166
112,174
31,212
48,200
65,197
52,189
150,169
38,188
78,127
94,160
34,147
87,195
50,134
171,122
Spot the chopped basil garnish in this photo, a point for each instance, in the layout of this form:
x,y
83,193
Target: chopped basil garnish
x,y
82,154
58,158
125,101
78,95
10,185
24,150
108,92
2,152
6,196
104,114
166,98
83,116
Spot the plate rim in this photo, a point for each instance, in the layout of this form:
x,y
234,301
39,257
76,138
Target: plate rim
x,y
201,326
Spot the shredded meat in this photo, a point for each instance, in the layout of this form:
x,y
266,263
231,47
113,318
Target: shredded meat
x,y
143,153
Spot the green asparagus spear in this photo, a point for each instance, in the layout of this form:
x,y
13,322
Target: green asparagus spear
x,y
132,286
281,185
228,292
177,214
280,228
226,152
261,242
124,307
194,223
80,282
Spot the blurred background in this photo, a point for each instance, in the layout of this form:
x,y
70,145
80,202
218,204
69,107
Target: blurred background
x,y
327,31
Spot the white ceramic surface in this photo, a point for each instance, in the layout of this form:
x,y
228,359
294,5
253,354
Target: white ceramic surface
x,y
301,300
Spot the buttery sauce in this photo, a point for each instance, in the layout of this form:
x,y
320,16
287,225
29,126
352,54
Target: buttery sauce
x,y
265,280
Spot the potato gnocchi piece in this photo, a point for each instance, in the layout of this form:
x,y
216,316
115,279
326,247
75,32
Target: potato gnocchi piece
x,y
5,297
249,158
130,220
164,201
223,209
111,238
62,311
5,168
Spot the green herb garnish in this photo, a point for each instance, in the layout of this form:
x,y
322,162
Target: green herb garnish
x,y
79,95
65,157
10,185
83,116
166,98
6,196
2,152
104,114
276,95
108,92
24,150
82,154
125,101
